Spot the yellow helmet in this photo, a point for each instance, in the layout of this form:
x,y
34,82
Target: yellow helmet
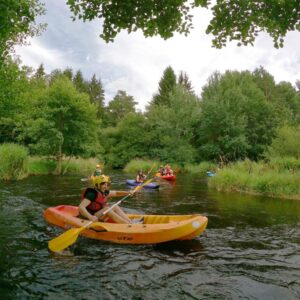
x,y
97,166
97,180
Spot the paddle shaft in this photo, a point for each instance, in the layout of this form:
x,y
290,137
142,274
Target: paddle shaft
x,y
130,194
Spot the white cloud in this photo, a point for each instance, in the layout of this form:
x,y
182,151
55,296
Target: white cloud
x,y
135,64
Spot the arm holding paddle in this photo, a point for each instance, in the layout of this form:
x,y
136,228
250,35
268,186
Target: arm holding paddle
x,y
69,237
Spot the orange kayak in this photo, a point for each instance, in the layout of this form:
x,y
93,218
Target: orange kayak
x,y
166,177
155,229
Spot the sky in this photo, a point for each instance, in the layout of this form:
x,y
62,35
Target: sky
x,y
136,64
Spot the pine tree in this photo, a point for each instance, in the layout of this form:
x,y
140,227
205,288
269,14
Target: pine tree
x,y
97,96
166,86
40,72
68,72
185,82
80,84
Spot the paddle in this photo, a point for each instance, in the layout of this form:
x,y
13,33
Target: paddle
x,y
85,179
69,237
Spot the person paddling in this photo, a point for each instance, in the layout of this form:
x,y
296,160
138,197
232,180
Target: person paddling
x,y
94,202
140,177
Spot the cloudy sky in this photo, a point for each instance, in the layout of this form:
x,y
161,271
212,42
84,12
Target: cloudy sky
x,y
135,64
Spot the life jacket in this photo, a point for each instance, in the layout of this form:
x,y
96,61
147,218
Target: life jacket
x,y
99,203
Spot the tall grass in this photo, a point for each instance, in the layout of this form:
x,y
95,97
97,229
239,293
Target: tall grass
x,y
45,165
201,168
13,162
261,178
81,166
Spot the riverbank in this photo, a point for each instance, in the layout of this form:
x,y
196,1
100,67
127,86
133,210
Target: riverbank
x,y
279,179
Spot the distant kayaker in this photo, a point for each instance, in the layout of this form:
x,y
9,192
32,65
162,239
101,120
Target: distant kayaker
x,y
168,170
98,171
161,170
140,177
94,202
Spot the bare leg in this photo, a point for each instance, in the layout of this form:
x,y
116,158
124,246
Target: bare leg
x,y
113,215
121,213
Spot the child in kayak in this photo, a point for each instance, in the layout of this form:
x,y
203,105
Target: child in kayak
x,y
98,171
140,177
94,202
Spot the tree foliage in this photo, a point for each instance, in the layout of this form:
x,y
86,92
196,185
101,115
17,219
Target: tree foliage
x,y
170,127
232,20
237,121
17,19
119,107
166,86
62,123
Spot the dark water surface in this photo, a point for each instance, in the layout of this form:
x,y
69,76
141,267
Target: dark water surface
x,y
250,250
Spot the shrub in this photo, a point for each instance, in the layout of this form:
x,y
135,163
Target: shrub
x,y
13,161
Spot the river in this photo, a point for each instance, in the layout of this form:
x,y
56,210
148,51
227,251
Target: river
x,y
250,249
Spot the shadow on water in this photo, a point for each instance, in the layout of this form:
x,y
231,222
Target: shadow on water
x,y
250,249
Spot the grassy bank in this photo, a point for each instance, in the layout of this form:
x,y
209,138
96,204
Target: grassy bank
x,y
44,166
279,178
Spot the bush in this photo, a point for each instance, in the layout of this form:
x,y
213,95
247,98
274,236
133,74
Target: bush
x,y
13,162
139,164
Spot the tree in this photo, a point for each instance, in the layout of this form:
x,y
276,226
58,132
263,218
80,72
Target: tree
x,y
96,92
128,140
232,20
13,84
286,143
282,96
68,72
184,81
80,84
119,107
62,123
171,128
166,86
237,121
17,19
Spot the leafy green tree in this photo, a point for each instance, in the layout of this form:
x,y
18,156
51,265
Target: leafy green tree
x,y
232,20
96,92
119,107
128,140
62,123
237,121
13,84
171,128
282,96
17,19
289,103
166,86
286,143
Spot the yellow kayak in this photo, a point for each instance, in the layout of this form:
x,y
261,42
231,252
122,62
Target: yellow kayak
x,y
155,229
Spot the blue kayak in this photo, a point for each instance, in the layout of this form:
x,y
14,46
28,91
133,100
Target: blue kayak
x,y
150,185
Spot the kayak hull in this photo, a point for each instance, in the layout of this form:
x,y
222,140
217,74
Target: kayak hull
x,y
155,229
150,185
166,177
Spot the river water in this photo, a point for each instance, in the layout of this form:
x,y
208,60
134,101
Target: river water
x,y
250,249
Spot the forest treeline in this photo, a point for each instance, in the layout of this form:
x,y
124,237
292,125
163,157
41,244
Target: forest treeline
x,y
239,115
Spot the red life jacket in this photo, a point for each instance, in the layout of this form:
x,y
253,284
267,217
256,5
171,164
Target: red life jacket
x,y
99,203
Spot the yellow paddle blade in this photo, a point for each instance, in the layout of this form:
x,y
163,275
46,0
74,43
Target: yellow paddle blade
x,y
65,240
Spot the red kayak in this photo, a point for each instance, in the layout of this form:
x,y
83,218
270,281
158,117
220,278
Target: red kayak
x,y
166,177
